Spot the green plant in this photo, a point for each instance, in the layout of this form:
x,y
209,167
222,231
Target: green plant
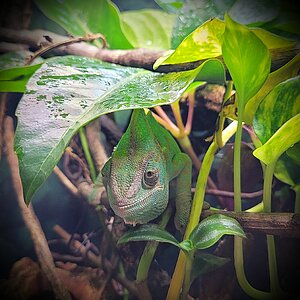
x,y
51,112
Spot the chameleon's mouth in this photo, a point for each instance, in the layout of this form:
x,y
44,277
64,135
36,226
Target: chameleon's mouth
x,y
122,205
135,212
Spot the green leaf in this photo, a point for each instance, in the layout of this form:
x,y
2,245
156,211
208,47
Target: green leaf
x,y
148,232
148,28
204,263
212,71
67,93
247,59
212,228
12,65
293,153
254,12
289,70
13,74
273,41
186,245
16,86
281,104
170,6
194,13
203,43
287,169
286,136
84,17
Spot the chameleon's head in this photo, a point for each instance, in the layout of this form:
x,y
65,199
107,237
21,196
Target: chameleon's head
x,y
135,176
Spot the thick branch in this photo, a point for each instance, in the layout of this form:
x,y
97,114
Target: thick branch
x,y
143,58
40,243
281,224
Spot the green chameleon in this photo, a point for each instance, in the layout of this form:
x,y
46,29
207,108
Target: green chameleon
x,y
138,175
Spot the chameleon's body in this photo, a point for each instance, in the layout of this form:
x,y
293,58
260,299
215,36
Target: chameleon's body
x,y
142,166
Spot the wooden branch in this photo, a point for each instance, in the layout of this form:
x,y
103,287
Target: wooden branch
x,y
281,224
39,240
96,147
143,58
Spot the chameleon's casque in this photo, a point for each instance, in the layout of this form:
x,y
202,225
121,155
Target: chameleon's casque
x,y
137,176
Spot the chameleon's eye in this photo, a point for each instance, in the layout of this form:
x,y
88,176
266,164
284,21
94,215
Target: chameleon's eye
x,y
151,178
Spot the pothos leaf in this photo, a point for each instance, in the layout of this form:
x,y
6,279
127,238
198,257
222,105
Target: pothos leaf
x,y
211,229
68,92
148,232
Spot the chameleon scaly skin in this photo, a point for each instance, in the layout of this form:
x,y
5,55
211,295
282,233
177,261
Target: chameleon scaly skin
x,y
137,177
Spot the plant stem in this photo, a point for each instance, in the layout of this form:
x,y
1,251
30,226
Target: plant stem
x,y
257,208
240,273
149,251
187,147
297,198
237,163
187,277
178,276
87,153
176,111
274,280
238,242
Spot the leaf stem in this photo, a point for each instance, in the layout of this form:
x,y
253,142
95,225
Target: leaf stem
x,y
150,249
178,276
238,242
176,111
87,153
237,162
297,198
267,197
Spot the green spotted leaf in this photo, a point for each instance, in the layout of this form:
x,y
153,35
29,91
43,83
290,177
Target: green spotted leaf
x,y
67,93
203,43
148,28
289,70
170,6
285,137
194,13
281,104
212,228
287,168
148,232
247,59
254,12
84,17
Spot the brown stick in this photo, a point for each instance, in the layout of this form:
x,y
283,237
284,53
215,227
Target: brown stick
x,y
66,182
95,145
3,101
96,259
281,224
39,240
143,58
228,194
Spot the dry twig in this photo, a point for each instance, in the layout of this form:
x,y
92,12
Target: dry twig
x,y
39,240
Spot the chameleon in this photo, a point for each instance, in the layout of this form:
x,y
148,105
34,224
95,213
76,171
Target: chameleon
x,y
145,169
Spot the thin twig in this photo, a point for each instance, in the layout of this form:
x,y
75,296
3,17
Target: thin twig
x,y
87,38
66,182
39,241
95,145
95,259
3,101
228,194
